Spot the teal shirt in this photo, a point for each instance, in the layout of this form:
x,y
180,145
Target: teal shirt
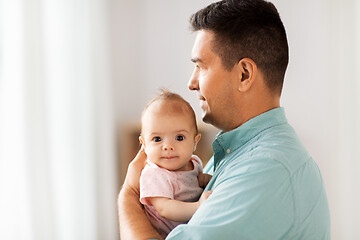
x,y
265,186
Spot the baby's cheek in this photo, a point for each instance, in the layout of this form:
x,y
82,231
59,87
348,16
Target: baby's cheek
x,y
151,153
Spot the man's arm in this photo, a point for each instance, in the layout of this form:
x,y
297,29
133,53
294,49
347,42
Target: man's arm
x,y
177,210
134,223
245,204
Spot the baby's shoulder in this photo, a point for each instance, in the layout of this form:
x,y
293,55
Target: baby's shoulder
x,y
197,163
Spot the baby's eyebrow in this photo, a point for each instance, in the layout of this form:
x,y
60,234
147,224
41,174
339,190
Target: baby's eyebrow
x,y
154,134
182,130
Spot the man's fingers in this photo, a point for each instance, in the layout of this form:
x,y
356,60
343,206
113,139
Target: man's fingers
x,y
134,170
140,157
205,196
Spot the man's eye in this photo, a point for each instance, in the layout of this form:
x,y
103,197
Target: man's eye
x,y
180,138
156,139
197,66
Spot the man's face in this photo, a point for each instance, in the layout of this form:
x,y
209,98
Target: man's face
x,y
215,85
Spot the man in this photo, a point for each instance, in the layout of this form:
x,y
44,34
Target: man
x,y
265,184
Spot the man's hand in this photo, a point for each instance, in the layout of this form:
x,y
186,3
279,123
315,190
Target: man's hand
x,y
204,196
204,179
132,180
134,223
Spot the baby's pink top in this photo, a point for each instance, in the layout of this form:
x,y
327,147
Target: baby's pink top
x,y
179,185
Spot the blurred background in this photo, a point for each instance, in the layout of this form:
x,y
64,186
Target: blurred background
x,y
76,74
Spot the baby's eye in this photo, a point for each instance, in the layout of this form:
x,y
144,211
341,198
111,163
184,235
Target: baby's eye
x,y
179,138
156,139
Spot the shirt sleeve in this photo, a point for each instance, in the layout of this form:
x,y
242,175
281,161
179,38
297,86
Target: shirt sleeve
x,y
155,182
246,203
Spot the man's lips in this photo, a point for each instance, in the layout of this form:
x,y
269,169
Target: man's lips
x,y
202,101
201,98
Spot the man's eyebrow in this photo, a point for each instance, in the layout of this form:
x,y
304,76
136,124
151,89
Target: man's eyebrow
x,y
195,60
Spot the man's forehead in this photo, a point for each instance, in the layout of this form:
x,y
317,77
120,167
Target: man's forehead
x,y
202,46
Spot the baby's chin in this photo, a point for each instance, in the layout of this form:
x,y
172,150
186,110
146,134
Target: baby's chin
x,y
165,166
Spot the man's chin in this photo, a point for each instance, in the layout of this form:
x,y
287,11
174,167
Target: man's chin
x,y
207,118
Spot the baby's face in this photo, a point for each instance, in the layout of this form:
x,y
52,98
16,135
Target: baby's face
x,y
169,138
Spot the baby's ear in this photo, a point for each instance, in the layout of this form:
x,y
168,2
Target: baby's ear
x,y
197,139
142,141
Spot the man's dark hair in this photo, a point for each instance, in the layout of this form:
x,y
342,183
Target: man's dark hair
x,y
247,29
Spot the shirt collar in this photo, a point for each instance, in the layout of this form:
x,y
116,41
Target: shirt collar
x,y
227,142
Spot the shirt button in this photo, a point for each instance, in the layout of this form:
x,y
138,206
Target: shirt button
x,y
228,150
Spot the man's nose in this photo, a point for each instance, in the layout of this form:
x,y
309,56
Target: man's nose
x,y
193,83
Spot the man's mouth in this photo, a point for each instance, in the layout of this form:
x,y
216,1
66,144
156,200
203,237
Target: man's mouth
x,y
201,98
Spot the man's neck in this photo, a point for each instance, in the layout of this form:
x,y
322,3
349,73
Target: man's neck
x,y
252,110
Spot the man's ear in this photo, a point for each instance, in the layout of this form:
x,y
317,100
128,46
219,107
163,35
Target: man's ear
x,y
247,70
197,139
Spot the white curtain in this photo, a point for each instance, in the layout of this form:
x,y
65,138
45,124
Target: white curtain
x,y
57,161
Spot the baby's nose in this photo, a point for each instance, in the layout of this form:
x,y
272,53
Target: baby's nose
x,y
168,147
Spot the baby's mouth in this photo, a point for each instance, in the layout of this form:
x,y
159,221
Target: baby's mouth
x,y
169,157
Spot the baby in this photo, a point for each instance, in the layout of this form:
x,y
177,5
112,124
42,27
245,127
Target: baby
x,y
172,180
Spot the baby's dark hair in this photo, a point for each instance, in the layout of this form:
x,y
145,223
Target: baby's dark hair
x,y
166,95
